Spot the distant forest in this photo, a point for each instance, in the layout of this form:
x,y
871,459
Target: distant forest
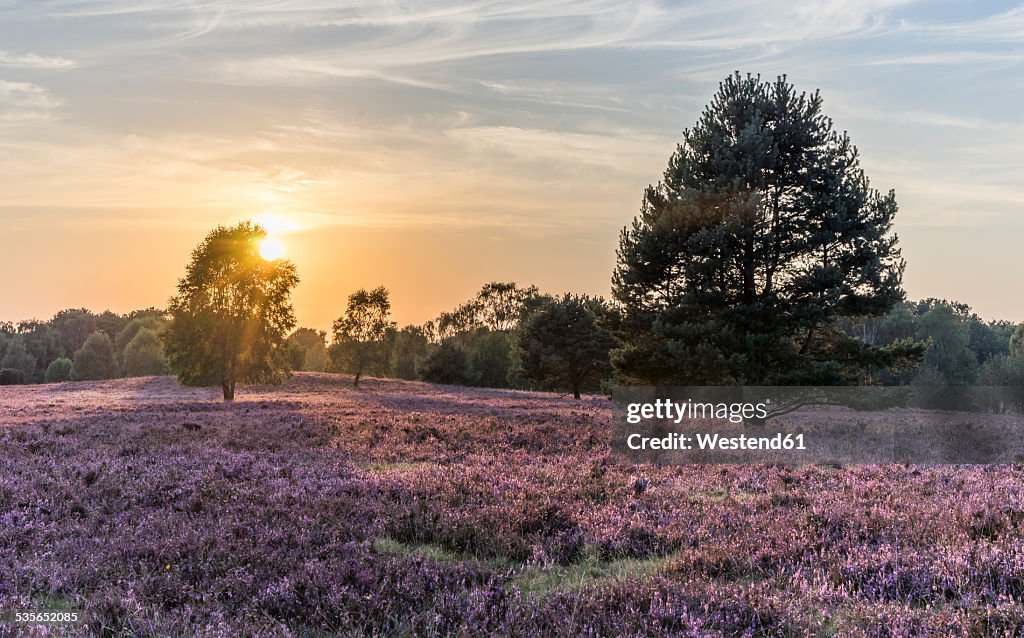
x,y
497,339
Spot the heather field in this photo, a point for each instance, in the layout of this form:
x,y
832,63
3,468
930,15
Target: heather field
x,y
405,509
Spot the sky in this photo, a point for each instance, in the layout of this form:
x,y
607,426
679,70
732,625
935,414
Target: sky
x,y
432,147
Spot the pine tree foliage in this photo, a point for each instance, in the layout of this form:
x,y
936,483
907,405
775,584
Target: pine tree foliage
x,y
763,233
560,345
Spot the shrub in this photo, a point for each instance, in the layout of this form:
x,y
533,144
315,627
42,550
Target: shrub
x,y
143,356
59,370
11,376
95,359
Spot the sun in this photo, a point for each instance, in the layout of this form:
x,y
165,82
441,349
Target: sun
x,y
272,248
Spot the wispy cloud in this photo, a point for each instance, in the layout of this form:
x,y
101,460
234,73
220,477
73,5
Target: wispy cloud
x,y
1006,26
951,58
24,102
34,61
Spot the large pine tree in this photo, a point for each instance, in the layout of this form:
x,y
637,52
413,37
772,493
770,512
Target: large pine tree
x,y
762,235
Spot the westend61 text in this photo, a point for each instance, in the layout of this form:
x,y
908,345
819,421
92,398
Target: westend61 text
x,y
676,441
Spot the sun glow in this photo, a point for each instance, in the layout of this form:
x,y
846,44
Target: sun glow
x,y
272,248
278,224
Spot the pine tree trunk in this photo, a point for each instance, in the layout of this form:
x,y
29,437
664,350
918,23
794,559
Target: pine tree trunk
x,y
229,390
356,383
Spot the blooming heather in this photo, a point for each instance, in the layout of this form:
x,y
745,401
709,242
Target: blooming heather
x,y
313,509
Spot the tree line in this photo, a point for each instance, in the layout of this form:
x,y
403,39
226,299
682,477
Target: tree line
x,y
77,344
506,336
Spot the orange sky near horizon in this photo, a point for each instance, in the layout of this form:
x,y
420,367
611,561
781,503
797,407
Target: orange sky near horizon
x,y
432,149
427,271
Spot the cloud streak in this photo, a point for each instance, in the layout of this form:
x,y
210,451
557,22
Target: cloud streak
x,y
34,61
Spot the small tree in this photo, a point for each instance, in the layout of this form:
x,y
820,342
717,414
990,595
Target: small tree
x,y
948,359
95,361
143,356
59,370
361,333
232,312
561,346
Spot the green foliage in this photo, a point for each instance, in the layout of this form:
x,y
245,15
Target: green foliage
x,y
143,356
310,349
232,312
490,359
296,355
989,339
500,304
361,333
406,348
948,360
43,343
17,357
763,235
73,327
110,323
59,370
6,334
560,346
1016,344
11,376
447,363
95,359
496,307
132,328
480,329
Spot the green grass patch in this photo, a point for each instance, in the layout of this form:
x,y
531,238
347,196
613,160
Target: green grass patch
x,y
718,496
531,580
545,581
432,552
392,467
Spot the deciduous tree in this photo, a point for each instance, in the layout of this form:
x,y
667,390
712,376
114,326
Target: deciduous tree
x,y
232,312
361,332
